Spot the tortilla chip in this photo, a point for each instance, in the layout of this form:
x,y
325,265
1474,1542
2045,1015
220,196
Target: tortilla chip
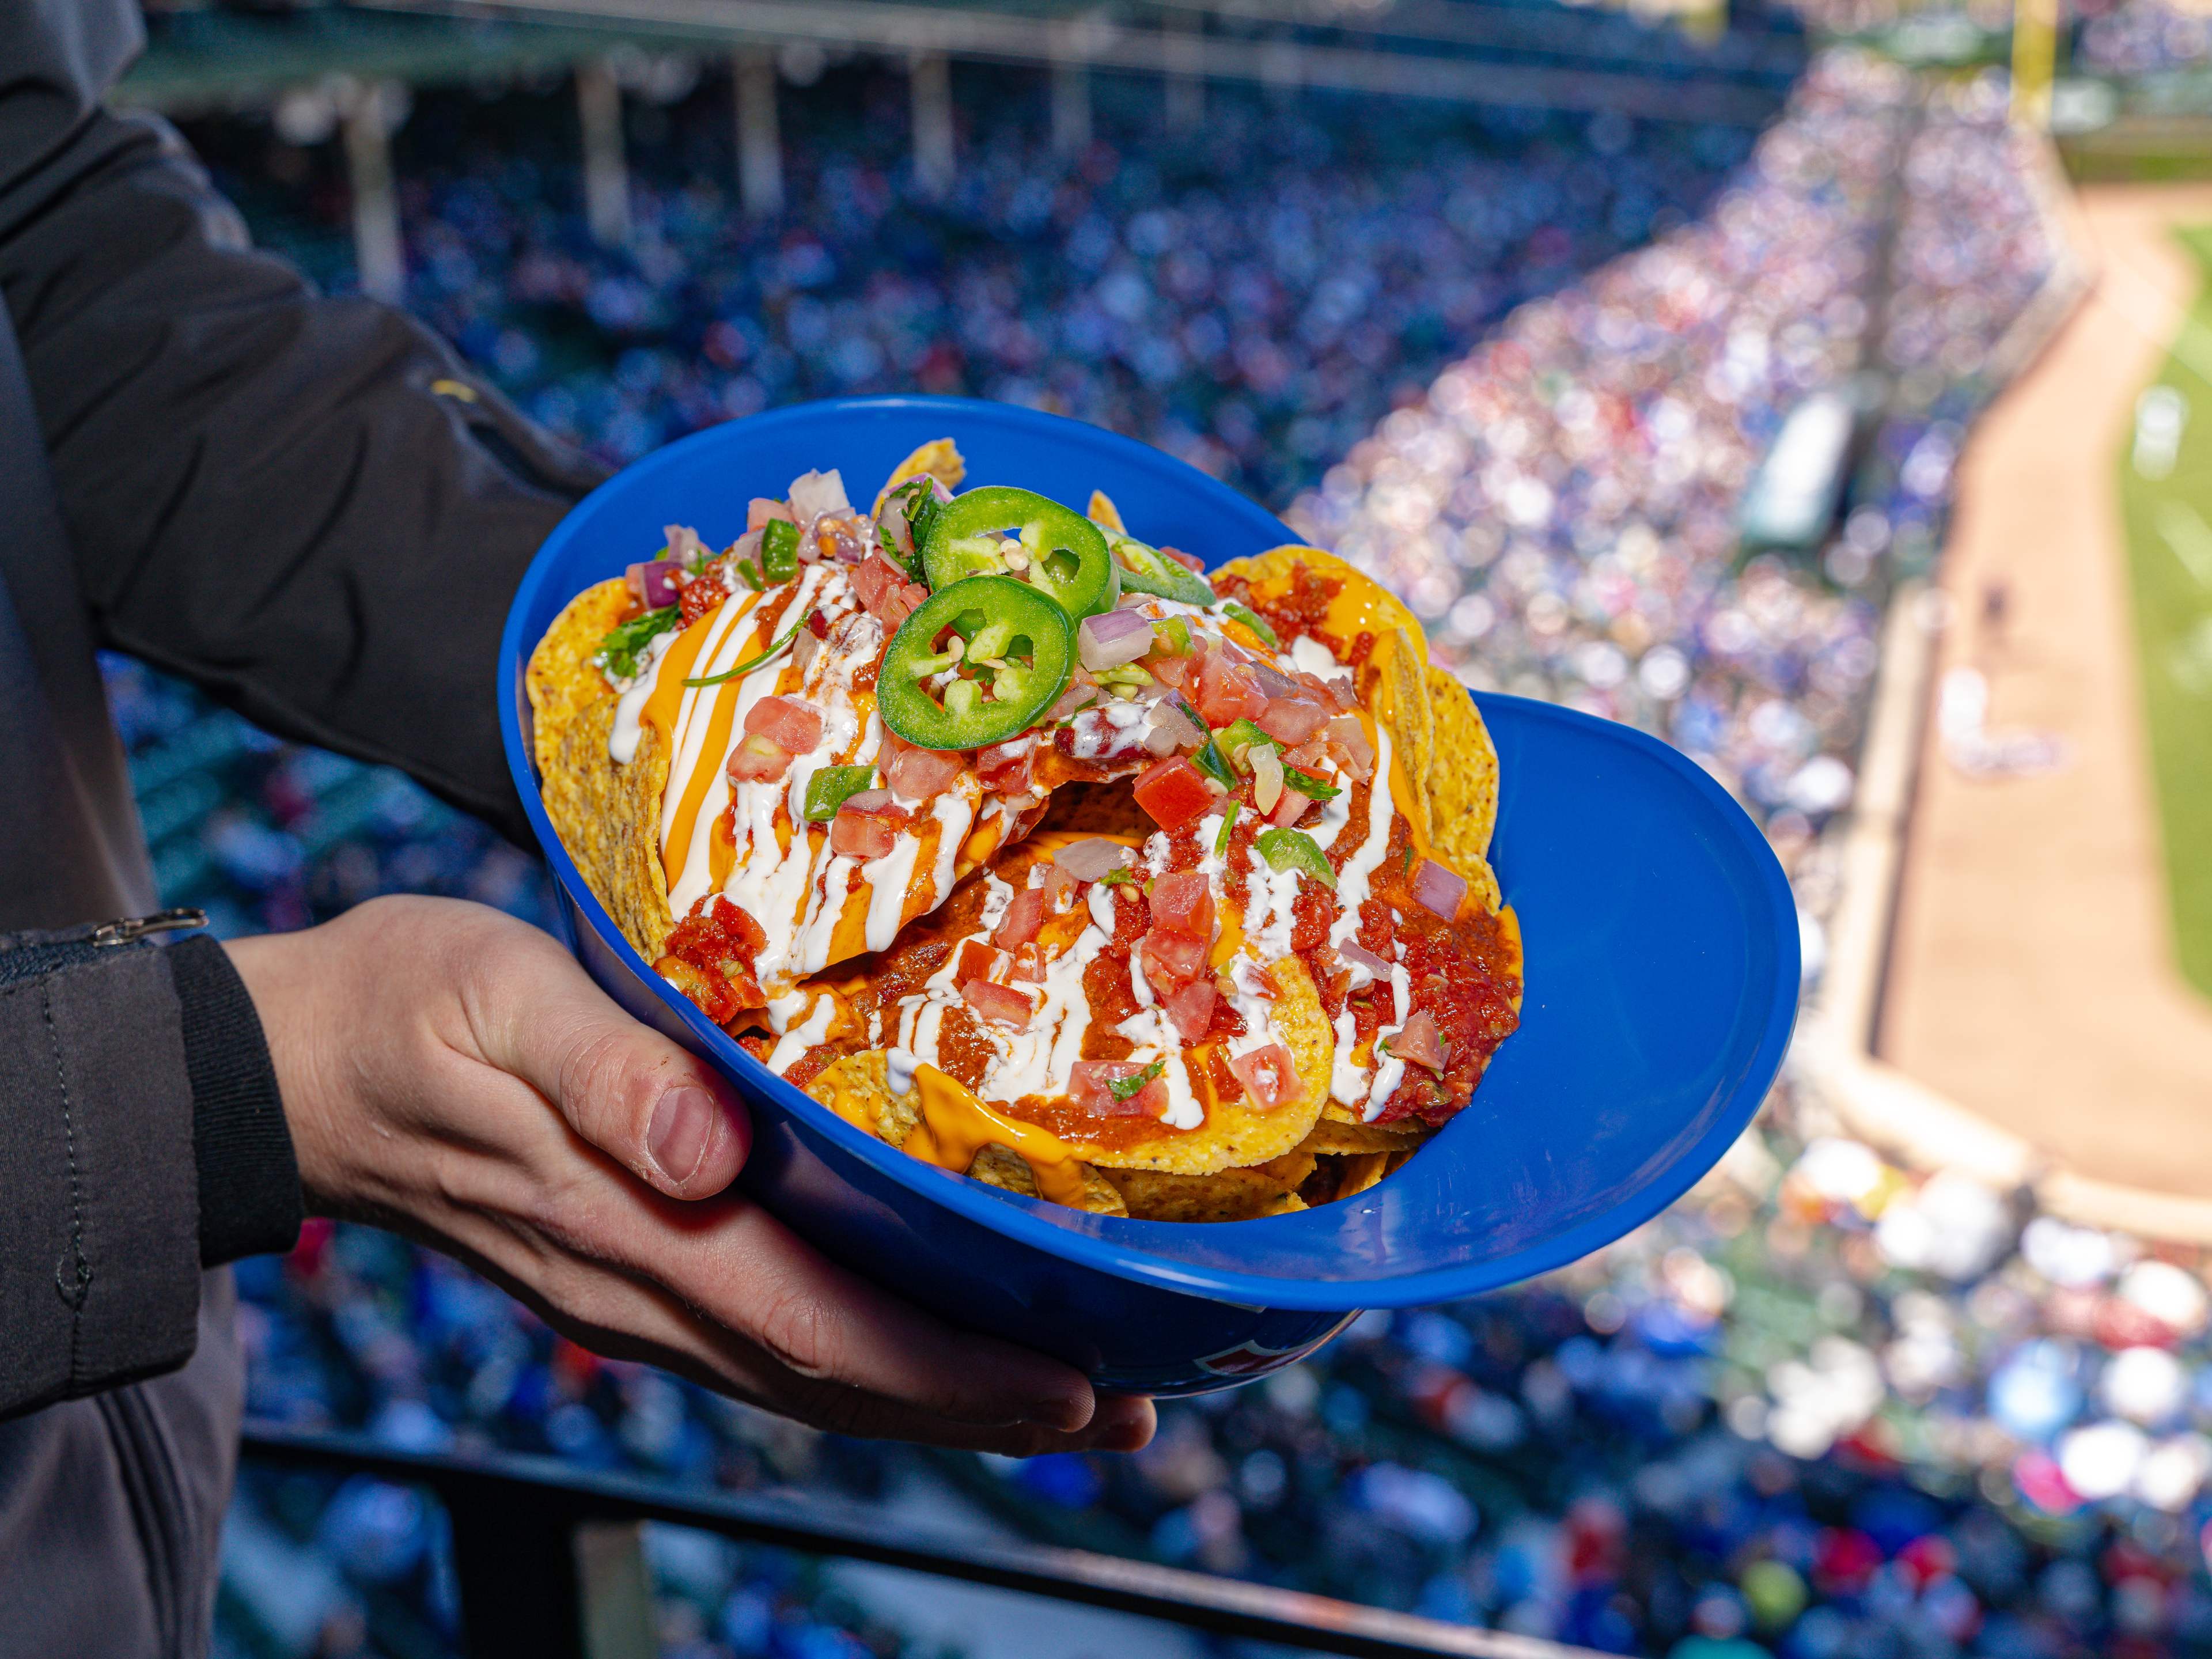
x,y
609,819
940,458
1462,785
998,1166
1236,1134
1383,611
1102,510
1334,1136
1397,690
562,677
1224,1195
1096,809
1292,1169
1360,1172
858,1089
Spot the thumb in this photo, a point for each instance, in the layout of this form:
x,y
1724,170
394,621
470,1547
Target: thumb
x,y
653,1107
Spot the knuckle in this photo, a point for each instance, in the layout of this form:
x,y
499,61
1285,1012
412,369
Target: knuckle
x,y
804,1334
601,1088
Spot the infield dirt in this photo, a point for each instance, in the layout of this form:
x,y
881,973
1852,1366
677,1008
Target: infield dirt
x,y
2032,975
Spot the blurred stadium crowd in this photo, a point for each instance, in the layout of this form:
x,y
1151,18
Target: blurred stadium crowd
x,y
1820,1408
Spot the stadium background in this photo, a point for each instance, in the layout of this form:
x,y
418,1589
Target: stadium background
x,y
1656,417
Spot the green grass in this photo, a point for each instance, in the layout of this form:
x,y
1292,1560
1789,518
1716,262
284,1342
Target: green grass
x,y
2169,530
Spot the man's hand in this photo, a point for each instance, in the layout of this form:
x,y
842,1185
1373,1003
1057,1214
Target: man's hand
x,y
452,1074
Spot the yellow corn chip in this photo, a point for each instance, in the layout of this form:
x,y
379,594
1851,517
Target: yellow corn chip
x,y
609,819
1102,510
1224,1195
562,677
1236,1134
940,458
858,1089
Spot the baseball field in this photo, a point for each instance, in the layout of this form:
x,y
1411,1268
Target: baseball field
x,y
2165,498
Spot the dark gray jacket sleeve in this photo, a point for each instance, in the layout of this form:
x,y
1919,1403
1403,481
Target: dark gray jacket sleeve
x,y
305,505
101,1282
141,1138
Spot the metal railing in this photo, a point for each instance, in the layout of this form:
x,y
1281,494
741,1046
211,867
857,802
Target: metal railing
x,y
527,1591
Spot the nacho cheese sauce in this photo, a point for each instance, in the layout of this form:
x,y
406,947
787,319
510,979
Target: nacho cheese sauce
x,y
746,841
977,1081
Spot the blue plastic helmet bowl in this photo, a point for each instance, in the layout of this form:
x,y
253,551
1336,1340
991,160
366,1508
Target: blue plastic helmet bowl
x,y
1661,980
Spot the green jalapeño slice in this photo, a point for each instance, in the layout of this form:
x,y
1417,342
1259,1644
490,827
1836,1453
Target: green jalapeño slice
x,y
1058,552
1146,569
980,661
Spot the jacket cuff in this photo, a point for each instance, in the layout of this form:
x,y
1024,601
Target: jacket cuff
x,y
249,1180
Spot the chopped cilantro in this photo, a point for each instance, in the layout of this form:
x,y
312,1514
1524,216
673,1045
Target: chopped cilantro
x,y
618,653
1129,1087
1306,783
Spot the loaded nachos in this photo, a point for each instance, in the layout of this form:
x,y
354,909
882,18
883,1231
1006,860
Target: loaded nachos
x,y
1029,849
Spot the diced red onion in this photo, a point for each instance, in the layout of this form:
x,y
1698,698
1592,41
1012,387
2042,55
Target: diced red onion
x,y
684,545
1091,859
1418,1042
814,494
874,803
1351,951
1081,688
1439,890
1273,680
1171,722
1349,735
657,582
804,646
1112,639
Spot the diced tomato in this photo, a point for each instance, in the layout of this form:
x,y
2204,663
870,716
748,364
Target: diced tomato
x,y
818,624
1269,1075
1229,691
867,825
1171,959
1058,887
1086,1086
1293,719
1007,767
883,591
1289,807
1191,1009
1175,672
795,724
1183,903
978,961
710,959
1028,967
1418,1042
999,1003
1023,918
918,774
1173,791
760,510
758,760
1188,561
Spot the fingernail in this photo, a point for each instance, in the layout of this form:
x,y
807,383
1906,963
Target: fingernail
x,y
683,1124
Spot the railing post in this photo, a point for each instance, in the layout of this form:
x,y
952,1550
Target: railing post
x,y
520,1594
